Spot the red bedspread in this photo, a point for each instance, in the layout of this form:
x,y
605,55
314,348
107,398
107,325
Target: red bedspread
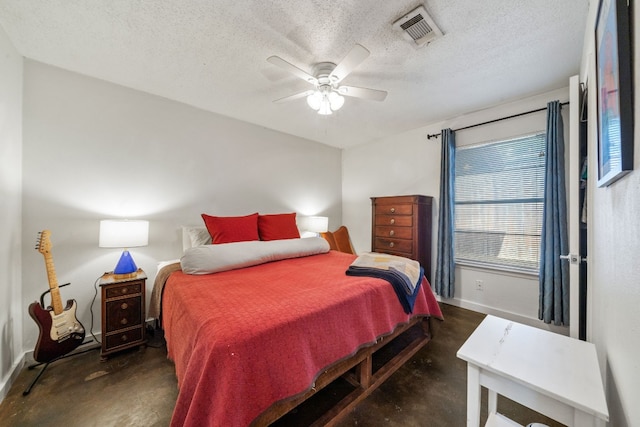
x,y
244,339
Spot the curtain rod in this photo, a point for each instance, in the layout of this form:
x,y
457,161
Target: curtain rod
x,y
436,135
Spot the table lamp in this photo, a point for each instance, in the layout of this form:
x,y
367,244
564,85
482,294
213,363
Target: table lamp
x,y
314,225
122,233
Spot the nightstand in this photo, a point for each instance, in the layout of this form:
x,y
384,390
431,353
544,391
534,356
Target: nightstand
x,y
123,312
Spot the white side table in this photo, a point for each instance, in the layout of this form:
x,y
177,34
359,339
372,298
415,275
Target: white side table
x,y
550,373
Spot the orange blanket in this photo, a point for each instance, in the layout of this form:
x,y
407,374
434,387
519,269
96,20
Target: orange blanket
x,y
244,339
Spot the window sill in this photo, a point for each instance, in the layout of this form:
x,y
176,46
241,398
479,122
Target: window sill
x,y
516,272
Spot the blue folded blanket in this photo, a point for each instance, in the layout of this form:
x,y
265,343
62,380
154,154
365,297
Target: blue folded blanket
x,y
397,281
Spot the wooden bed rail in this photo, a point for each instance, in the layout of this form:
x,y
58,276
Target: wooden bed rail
x,y
363,377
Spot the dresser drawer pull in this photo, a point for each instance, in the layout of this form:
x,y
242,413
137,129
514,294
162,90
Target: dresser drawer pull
x,y
391,244
124,290
392,221
123,337
124,321
391,233
124,306
392,210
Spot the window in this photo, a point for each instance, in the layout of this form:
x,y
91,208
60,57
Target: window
x,y
499,190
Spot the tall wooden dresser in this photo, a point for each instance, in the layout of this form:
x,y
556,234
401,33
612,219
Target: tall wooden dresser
x,y
401,225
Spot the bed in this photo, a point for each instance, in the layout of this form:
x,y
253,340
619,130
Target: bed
x,y
252,342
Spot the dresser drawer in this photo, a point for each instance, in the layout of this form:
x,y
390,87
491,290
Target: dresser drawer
x,y
125,289
395,232
123,313
403,221
124,338
397,253
383,244
394,209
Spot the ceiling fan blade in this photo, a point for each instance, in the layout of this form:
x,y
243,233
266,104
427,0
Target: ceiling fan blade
x,y
355,56
295,96
361,92
276,60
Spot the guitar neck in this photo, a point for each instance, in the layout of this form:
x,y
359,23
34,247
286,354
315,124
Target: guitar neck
x,y
56,301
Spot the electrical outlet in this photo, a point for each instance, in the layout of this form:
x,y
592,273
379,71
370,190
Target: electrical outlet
x,y
479,285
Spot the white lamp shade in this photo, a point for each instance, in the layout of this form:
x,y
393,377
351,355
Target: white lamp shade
x,y
316,224
122,233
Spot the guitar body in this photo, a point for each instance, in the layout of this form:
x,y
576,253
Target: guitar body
x,y
59,333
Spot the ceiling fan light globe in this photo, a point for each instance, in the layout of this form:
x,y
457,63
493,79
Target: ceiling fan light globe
x,y
325,108
336,101
314,100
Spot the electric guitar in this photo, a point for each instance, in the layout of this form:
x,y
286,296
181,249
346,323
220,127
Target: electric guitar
x,y
60,330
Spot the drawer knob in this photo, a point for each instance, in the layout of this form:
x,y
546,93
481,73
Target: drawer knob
x,y
391,244
393,210
124,321
123,337
391,233
124,306
392,221
124,290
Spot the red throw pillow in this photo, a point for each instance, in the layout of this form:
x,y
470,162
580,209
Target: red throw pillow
x,y
278,227
228,229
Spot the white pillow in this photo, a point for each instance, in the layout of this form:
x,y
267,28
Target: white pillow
x,y
194,235
163,264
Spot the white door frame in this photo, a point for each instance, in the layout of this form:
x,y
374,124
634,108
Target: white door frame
x,y
573,202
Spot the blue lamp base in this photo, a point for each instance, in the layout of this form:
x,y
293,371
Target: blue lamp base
x,y
125,265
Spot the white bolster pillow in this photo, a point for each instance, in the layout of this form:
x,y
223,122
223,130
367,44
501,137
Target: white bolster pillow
x,y
230,256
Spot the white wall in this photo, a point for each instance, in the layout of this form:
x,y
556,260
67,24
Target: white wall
x,y
11,307
95,150
614,249
410,164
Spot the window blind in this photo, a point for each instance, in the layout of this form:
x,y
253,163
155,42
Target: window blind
x,y
499,190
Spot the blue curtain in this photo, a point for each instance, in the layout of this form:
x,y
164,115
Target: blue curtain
x,y
445,263
554,272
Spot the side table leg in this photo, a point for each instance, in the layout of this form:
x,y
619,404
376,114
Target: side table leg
x,y
493,401
581,418
473,396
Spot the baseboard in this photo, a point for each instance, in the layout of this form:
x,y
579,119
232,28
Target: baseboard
x,y
11,376
509,315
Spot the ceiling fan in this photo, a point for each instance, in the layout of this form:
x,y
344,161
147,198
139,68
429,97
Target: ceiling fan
x,y
326,78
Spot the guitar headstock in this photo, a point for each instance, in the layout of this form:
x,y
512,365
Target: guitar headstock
x,y
43,245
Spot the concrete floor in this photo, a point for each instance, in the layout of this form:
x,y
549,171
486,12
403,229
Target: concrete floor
x,y
139,388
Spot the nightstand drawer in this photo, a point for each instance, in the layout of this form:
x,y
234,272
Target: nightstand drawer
x,y
123,313
123,338
396,232
124,289
384,245
394,209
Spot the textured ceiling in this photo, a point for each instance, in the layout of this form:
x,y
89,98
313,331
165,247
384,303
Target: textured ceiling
x,y
212,54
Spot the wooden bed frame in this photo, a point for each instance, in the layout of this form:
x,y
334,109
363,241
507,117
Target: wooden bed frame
x,y
352,378
357,370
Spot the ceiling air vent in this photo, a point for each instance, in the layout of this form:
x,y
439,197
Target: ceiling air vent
x,y
418,27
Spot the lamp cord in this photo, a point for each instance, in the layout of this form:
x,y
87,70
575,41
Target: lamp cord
x,y
95,295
